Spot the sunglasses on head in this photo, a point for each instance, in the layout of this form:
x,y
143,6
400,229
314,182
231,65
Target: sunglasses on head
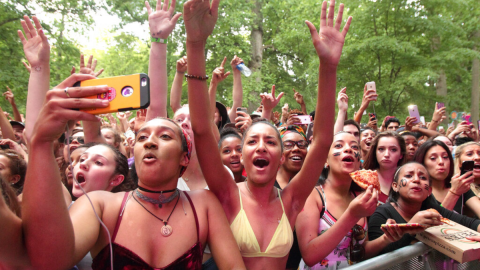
x,y
79,139
302,144
357,251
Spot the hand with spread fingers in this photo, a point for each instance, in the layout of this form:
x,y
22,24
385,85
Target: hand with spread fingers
x,y
62,104
162,20
35,43
219,73
200,18
90,68
329,40
269,100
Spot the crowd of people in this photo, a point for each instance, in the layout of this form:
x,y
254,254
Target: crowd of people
x,y
215,187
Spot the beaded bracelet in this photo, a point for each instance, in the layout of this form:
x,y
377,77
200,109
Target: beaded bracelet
x,y
202,78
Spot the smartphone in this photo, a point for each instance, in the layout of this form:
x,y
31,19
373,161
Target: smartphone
x,y
4,146
129,92
440,105
309,131
230,125
467,166
422,119
304,119
371,86
374,116
413,111
241,109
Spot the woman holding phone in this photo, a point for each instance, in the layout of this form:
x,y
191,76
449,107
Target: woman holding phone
x,y
450,189
469,152
261,216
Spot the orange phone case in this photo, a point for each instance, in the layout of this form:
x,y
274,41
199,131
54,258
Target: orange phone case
x,y
129,92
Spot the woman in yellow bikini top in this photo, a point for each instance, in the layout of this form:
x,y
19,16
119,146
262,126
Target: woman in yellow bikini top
x,y
260,216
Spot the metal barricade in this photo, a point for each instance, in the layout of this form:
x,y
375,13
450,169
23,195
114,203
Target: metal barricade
x,y
416,257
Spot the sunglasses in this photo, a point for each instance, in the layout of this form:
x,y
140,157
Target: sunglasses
x,y
302,144
79,139
357,251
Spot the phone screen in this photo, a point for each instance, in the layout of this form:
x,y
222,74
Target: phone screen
x,y
304,119
440,105
467,166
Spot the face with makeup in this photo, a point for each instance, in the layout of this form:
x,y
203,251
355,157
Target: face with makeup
x,y
437,163
413,184
344,154
95,171
262,153
294,156
231,153
388,152
411,144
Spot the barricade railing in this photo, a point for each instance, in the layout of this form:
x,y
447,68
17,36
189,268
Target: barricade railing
x,y
416,257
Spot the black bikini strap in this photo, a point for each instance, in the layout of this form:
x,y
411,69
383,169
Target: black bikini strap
x,y
323,203
120,216
194,214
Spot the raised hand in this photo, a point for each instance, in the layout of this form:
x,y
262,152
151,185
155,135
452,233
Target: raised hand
x,y
90,68
461,183
298,97
342,100
410,122
9,96
182,65
329,40
162,21
35,43
269,101
140,119
219,73
243,121
235,62
368,95
200,19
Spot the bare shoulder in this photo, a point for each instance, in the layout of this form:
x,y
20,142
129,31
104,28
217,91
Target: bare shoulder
x,y
101,200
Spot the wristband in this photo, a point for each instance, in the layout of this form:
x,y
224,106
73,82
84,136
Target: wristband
x,y
453,193
202,78
158,40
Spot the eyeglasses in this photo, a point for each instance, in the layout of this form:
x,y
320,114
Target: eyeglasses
x,y
357,251
302,144
79,139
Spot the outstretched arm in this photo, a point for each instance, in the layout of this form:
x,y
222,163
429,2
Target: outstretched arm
x,y
37,52
368,95
237,94
5,127
218,76
200,20
11,99
342,102
162,21
328,44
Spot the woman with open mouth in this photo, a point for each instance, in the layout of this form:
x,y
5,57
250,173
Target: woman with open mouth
x,y
450,189
409,200
366,137
470,151
386,154
261,216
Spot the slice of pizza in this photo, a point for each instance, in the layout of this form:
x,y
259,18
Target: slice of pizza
x,y
365,178
444,220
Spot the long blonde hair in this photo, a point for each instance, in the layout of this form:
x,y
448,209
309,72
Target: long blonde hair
x,y
459,151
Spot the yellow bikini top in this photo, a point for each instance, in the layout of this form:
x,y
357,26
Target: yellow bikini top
x,y
278,247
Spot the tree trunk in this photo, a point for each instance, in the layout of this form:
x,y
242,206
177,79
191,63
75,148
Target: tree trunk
x,y
257,52
475,82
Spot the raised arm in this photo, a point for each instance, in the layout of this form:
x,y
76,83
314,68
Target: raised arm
x,y
342,103
269,102
6,127
237,94
11,99
162,21
299,99
217,77
368,95
200,20
438,115
37,52
328,44
176,91
48,230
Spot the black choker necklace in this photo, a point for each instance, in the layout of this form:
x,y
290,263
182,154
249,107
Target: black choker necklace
x,y
153,191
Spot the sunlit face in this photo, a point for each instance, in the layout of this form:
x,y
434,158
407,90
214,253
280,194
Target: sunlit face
x,y
295,156
437,163
262,153
231,154
73,144
344,154
158,151
5,170
109,137
411,145
471,152
75,157
182,118
393,126
352,130
388,152
413,184
446,141
95,170
366,138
